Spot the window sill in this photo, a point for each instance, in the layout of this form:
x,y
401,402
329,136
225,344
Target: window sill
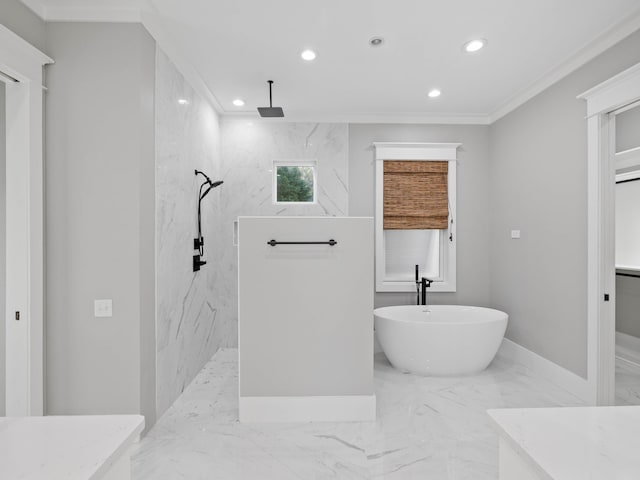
x,y
411,287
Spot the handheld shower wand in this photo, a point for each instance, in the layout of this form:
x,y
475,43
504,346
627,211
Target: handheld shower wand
x,y
198,243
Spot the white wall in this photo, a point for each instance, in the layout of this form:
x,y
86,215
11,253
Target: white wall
x,y
188,323
100,219
472,200
3,227
249,147
539,185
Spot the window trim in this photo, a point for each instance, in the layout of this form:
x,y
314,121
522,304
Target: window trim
x,y
294,163
386,151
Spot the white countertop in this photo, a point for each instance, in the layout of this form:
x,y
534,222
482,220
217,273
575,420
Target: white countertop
x,y
73,448
584,443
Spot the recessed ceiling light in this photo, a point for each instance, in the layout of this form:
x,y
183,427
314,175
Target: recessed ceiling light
x,y
376,41
308,55
238,102
434,93
183,101
474,45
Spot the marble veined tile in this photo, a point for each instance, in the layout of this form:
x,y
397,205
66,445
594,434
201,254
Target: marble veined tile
x,y
427,428
188,326
249,149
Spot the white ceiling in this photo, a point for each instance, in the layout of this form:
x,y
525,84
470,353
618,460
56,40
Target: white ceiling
x,y
235,46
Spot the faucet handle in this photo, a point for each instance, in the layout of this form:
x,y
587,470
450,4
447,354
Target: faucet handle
x,y
427,282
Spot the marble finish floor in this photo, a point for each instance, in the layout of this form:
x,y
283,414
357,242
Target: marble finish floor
x,y
427,428
627,382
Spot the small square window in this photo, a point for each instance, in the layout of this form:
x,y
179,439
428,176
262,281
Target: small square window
x,y
295,183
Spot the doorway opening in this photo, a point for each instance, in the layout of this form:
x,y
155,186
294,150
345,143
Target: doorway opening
x,y
627,255
604,102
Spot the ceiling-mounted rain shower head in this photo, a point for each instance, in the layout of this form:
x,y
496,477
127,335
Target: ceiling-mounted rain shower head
x,y
270,111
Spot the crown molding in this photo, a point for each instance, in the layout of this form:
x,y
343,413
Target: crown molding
x,y
37,7
350,117
132,13
139,11
599,45
166,43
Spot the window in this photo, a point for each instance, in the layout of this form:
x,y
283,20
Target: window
x,y
404,249
294,182
410,228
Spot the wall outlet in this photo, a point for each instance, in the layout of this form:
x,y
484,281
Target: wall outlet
x,y
103,308
515,233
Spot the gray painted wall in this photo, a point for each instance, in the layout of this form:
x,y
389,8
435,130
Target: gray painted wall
x,y
3,259
21,20
100,219
539,185
249,148
472,200
628,130
317,339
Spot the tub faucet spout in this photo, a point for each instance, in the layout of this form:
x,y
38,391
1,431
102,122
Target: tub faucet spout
x,y
421,288
424,284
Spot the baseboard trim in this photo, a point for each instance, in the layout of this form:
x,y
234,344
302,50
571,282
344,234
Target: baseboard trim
x,y
347,408
562,377
628,348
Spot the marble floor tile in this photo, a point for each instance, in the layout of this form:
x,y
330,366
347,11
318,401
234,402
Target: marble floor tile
x,y
627,382
427,428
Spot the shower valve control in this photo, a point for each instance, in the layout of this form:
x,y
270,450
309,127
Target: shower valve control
x,y
197,263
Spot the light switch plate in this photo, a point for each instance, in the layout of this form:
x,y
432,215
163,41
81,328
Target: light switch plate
x,y
515,233
103,308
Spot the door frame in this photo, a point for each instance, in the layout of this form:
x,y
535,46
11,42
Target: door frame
x,y
24,63
602,102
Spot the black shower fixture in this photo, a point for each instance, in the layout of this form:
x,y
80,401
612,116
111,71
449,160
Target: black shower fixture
x,y
198,243
270,111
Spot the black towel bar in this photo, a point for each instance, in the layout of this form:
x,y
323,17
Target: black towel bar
x,y
273,243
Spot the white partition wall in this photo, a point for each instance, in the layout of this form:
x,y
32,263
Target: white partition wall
x,y
306,319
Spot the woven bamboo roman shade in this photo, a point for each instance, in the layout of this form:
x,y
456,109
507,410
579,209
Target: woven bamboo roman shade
x,y
416,195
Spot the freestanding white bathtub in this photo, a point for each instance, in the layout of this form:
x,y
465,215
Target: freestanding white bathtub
x,y
440,340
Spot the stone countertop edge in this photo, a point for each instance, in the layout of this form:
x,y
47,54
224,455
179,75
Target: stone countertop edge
x,y
133,437
515,445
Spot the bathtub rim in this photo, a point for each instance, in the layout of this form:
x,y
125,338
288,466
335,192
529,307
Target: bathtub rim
x,y
503,316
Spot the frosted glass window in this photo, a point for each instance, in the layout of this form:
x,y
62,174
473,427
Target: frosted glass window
x,y
404,249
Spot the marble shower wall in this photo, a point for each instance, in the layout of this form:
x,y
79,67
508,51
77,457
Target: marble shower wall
x,y
187,312
249,149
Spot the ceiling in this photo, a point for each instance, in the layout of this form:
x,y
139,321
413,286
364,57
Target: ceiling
x,y
235,46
